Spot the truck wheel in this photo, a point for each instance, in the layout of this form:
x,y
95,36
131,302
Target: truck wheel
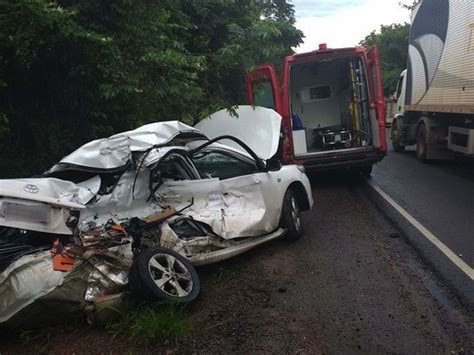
x,y
160,274
395,136
421,144
291,216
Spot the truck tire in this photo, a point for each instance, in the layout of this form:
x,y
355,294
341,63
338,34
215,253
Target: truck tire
x,y
395,137
159,274
421,147
291,216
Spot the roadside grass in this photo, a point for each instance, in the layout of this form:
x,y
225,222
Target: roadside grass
x,y
157,324
153,324
162,324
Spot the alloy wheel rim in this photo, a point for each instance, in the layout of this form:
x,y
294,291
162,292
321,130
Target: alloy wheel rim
x,y
295,214
170,275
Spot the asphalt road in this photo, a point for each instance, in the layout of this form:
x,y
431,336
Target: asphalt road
x,y
433,205
351,284
440,196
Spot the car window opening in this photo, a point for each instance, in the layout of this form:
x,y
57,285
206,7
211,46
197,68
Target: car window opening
x,y
213,164
174,167
258,162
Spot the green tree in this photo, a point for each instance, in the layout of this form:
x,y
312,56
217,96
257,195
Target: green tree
x,y
72,71
279,10
392,42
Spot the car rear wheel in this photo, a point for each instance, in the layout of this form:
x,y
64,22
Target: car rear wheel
x,y
291,215
160,274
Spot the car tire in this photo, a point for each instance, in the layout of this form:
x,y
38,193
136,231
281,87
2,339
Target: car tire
x,y
162,275
395,137
291,216
421,147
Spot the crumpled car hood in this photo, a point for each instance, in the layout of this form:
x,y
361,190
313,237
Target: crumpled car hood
x,y
258,127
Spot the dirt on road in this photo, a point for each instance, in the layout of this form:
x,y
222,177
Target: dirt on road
x,y
352,284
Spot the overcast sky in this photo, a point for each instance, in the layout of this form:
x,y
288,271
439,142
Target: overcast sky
x,y
343,23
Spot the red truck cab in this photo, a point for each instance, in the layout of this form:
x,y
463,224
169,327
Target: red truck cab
x,y
332,106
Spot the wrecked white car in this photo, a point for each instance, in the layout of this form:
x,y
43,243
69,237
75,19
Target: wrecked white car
x,y
134,212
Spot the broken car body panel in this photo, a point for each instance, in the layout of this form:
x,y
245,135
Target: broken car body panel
x,y
258,127
26,280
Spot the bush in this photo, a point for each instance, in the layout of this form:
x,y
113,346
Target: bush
x,y
162,324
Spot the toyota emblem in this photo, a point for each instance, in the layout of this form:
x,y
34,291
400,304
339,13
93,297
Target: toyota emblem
x,y
32,189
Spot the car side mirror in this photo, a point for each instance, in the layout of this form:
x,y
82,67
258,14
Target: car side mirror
x,y
395,98
273,165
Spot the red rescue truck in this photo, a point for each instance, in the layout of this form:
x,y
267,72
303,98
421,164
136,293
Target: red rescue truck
x,y
332,105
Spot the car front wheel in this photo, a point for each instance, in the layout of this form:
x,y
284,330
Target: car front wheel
x,y
291,216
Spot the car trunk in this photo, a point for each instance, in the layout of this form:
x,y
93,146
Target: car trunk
x,y
329,106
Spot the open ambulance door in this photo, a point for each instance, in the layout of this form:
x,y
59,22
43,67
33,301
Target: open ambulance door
x,y
263,88
377,104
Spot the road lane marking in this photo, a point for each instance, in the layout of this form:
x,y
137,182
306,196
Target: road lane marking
x,y
461,264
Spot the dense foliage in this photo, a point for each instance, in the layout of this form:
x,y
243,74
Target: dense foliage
x,y
392,42
71,70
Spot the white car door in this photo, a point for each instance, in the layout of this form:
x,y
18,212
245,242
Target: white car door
x,y
251,201
252,204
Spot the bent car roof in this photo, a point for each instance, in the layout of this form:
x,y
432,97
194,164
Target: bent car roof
x,y
114,152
